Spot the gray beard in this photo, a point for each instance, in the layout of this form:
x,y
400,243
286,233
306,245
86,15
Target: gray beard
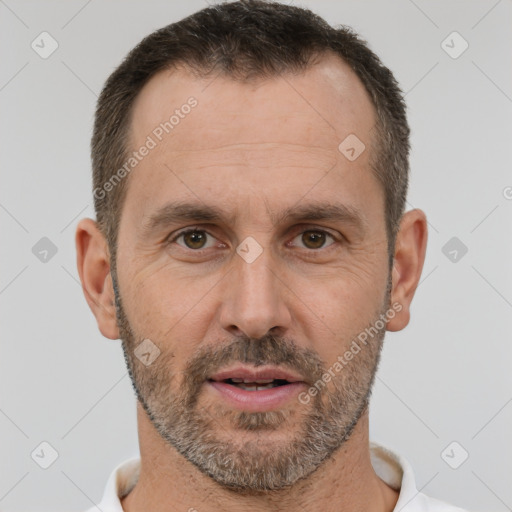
x,y
248,462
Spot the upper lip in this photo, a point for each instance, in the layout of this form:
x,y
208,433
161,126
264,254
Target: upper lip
x,y
252,374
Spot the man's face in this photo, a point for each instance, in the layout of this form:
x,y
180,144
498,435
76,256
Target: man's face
x,y
251,309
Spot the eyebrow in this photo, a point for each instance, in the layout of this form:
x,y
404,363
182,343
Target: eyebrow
x,y
177,212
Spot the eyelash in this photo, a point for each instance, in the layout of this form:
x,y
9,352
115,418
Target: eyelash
x,y
198,229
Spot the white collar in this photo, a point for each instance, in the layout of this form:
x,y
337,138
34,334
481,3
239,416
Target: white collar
x,y
390,467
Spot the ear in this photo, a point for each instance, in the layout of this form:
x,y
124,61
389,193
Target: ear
x,y
410,249
93,263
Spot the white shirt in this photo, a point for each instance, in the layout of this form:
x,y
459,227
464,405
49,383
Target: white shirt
x,y
392,468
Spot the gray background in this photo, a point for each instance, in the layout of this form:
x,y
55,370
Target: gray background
x,y
445,378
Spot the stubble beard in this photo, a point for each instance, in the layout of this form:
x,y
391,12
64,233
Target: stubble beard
x,y
242,457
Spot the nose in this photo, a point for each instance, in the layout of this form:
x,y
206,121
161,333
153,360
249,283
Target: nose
x,y
253,303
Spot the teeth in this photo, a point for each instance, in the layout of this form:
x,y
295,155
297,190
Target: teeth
x,y
251,381
255,387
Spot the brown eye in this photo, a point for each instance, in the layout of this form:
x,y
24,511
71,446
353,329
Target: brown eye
x,y
314,239
193,239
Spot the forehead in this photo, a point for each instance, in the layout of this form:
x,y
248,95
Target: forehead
x,y
326,99
217,136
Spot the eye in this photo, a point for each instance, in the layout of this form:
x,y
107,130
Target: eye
x,y
198,239
194,239
314,238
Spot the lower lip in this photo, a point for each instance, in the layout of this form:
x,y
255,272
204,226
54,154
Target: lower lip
x,y
261,400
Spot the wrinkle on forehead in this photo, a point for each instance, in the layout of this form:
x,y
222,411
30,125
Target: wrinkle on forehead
x,y
255,155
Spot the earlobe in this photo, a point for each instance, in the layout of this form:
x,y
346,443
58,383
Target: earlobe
x,y
93,264
410,249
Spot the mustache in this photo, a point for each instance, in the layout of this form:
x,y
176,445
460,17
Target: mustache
x,y
267,350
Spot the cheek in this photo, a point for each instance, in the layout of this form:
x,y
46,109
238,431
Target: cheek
x,y
335,309
167,307
351,289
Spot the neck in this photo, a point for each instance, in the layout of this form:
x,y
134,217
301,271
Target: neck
x,y
346,481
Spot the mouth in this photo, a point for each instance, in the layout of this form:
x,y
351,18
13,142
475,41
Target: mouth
x,y
256,389
257,385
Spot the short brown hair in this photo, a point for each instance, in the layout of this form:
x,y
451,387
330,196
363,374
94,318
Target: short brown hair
x,y
244,40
